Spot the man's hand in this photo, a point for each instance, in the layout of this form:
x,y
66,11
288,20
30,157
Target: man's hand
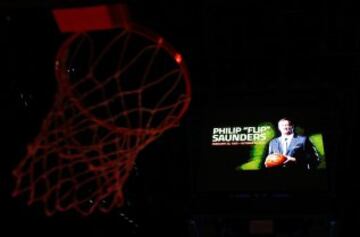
x,y
289,160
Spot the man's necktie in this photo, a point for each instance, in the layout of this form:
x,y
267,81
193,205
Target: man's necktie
x,y
285,145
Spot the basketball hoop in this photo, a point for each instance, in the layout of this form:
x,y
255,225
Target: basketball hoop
x,y
119,89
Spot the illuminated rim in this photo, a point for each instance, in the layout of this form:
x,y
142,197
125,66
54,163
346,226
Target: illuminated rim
x,y
152,37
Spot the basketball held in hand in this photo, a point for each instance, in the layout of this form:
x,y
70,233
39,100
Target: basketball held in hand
x,y
274,160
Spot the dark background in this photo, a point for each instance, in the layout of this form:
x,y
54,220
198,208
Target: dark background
x,y
310,51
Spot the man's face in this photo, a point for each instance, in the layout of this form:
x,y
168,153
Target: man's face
x,y
285,127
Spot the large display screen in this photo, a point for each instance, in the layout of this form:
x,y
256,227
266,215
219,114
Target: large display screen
x,y
252,144
263,148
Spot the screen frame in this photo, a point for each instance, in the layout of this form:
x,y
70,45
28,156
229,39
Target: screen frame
x,y
325,180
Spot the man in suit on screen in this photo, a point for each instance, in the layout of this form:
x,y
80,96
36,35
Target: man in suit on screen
x,y
298,150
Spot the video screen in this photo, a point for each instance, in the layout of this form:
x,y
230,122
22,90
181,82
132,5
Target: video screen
x,y
256,143
263,148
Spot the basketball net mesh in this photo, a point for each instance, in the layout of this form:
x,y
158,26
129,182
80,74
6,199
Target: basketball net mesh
x,y
118,91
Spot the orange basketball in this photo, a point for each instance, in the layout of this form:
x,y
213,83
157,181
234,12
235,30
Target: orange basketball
x,y
274,160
